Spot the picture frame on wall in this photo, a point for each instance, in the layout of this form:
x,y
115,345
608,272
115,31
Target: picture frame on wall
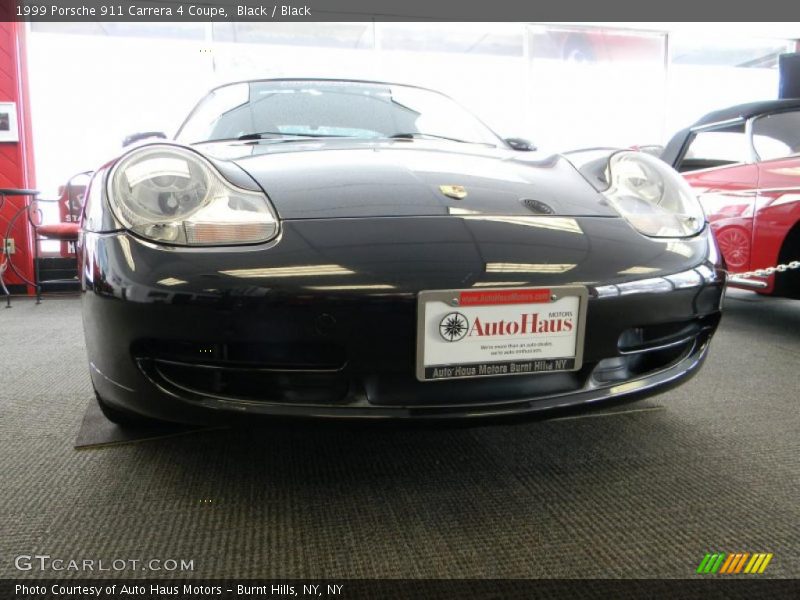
x,y
9,129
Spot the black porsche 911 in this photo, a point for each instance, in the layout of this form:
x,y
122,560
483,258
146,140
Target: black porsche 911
x,y
358,249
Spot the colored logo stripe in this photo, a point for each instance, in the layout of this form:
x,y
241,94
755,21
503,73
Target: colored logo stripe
x,y
737,563
733,563
711,562
758,563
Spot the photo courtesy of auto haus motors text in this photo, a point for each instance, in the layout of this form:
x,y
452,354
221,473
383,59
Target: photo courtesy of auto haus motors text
x,y
182,590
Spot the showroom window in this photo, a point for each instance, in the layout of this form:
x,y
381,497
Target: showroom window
x,y
777,136
708,72
329,35
463,38
107,29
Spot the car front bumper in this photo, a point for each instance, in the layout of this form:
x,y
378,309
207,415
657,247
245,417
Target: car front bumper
x,y
322,322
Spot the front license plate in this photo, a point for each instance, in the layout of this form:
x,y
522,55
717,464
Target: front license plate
x,y
494,332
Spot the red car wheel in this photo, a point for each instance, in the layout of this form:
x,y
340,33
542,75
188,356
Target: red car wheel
x,y
735,246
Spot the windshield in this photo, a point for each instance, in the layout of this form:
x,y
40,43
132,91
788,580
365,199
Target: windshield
x,y
284,109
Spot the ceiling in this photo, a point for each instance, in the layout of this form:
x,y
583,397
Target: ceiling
x,y
787,30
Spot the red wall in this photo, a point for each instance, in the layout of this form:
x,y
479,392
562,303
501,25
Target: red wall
x,y
16,158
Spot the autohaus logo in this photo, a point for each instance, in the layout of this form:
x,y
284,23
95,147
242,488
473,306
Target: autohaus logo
x,y
453,327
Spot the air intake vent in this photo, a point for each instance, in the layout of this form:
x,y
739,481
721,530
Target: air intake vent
x,y
538,207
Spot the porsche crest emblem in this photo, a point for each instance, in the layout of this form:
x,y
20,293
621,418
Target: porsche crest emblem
x,y
458,192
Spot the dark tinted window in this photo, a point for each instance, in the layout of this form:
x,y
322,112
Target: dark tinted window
x,y
336,108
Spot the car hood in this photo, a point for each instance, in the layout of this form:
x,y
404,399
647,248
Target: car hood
x,y
343,179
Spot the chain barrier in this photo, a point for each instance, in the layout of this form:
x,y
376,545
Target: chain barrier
x,y
795,264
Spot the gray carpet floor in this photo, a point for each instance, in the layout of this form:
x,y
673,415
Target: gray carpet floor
x,y
710,466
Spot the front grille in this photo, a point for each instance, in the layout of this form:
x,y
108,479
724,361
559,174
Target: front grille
x,y
251,384
651,337
287,355
287,373
653,348
655,337
398,390
632,366
319,374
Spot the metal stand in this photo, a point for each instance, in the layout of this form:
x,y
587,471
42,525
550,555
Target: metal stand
x,y
5,192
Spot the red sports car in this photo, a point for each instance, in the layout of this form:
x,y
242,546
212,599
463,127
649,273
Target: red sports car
x,y
744,162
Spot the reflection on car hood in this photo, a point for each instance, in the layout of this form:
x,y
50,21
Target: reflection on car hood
x,y
346,178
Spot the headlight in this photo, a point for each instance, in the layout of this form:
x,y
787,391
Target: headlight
x,y
172,195
653,197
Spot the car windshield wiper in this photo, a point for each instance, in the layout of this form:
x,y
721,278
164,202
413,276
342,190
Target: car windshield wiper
x,y
421,135
261,135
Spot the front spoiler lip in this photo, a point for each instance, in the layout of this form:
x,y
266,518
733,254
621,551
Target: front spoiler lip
x,y
591,394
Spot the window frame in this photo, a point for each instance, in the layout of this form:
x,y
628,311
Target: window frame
x,y
752,156
752,122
